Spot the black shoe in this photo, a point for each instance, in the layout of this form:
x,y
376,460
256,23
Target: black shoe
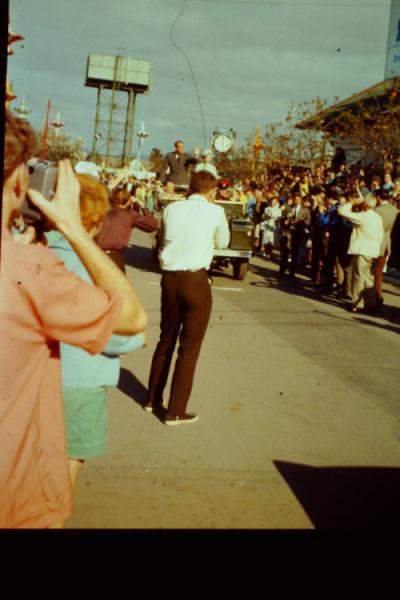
x,y
180,420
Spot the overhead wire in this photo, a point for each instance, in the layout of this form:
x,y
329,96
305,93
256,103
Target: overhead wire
x,y
190,67
284,3
275,3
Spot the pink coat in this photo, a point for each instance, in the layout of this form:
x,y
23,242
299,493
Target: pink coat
x,y
41,304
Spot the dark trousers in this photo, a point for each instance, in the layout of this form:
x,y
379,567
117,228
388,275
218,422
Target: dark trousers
x,y
285,247
339,242
298,237
316,256
185,311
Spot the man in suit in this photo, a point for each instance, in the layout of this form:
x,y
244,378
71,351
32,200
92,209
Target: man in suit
x,y
388,213
302,220
176,165
286,227
339,230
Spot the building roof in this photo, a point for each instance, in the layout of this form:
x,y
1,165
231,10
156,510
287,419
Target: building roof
x,y
325,119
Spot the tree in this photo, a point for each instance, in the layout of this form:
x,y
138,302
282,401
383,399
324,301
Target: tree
x,y
62,146
374,127
235,164
156,159
286,145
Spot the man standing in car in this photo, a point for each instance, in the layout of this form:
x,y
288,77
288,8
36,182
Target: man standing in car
x,y
176,165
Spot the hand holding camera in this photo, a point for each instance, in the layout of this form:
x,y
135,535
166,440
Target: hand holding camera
x,y
42,177
60,208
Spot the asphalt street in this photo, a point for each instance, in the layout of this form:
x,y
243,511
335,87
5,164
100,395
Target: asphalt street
x,y
299,409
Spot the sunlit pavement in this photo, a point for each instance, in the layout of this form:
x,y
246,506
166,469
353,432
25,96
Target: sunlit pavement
x,y
299,416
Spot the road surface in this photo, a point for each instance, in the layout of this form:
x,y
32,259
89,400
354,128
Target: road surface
x,y
299,409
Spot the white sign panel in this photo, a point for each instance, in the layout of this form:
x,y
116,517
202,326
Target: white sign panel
x,y
392,68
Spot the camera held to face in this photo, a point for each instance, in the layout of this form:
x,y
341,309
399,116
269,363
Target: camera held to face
x,y
43,178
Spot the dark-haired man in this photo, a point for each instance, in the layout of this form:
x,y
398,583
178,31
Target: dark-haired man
x,y
177,164
340,230
191,229
302,220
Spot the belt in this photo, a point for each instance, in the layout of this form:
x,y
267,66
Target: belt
x,y
187,270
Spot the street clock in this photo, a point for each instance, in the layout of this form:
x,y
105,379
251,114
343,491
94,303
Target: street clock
x,y
223,139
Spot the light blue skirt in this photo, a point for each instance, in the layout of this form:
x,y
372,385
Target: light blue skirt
x,y
86,416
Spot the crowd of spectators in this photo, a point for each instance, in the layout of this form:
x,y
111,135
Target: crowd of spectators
x,y
311,219
301,217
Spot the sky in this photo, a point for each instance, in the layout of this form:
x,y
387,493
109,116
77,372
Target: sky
x,y
250,59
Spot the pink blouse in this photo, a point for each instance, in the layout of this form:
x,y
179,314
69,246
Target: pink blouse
x,y
41,304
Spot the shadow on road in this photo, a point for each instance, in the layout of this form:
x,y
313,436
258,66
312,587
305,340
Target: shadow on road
x,y
132,387
346,497
293,286
141,258
225,272
389,313
306,289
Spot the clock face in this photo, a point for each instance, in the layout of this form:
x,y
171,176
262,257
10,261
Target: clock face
x,y
222,143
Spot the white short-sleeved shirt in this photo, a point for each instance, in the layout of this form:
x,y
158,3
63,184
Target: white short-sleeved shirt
x,y
192,229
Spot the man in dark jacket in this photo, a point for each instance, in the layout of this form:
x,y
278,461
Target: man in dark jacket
x,y
302,220
176,165
339,241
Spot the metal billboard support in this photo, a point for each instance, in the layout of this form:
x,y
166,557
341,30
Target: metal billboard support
x,y
130,120
124,77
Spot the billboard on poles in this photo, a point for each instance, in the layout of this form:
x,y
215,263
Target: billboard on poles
x,y
392,68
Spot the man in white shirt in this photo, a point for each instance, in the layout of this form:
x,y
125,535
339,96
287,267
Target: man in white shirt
x,y
191,230
365,242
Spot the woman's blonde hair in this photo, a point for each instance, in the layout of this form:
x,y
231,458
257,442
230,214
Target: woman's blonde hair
x,y
94,201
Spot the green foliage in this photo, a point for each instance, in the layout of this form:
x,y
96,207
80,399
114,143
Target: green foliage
x,y
156,159
374,127
234,164
284,145
62,146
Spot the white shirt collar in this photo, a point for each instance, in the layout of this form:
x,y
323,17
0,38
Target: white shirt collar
x,y
198,197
